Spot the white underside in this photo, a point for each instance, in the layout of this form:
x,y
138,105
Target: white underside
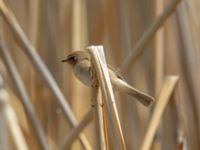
x,y
83,74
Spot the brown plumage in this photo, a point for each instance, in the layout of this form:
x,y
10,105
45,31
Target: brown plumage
x,y
80,62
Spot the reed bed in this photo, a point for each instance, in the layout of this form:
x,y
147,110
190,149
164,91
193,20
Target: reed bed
x,y
153,44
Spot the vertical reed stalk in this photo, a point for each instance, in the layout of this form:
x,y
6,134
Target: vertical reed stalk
x,y
100,66
101,120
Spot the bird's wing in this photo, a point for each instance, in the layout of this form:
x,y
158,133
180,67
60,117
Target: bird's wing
x,y
115,71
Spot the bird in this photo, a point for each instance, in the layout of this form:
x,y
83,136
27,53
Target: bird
x,y
81,64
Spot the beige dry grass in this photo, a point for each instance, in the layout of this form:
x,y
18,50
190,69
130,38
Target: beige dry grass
x,y
38,34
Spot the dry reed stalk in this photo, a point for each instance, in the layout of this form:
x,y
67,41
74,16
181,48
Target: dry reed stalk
x,y
14,74
49,48
111,30
174,126
79,38
40,66
98,59
3,130
22,117
34,21
134,16
100,118
159,59
169,126
163,99
12,121
124,26
99,105
171,121
147,37
188,104
72,135
94,15
159,50
189,65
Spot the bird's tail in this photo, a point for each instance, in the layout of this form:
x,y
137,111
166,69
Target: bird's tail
x,y
145,99
124,87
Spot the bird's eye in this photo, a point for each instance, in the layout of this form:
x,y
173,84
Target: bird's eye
x,y
70,58
75,58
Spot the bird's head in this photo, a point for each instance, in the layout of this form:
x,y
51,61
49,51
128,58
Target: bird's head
x,y
76,56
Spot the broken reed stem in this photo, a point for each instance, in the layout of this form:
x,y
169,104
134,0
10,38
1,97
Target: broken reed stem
x,y
163,99
32,54
100,118
100,66
72,135
14,74
12,121
147,37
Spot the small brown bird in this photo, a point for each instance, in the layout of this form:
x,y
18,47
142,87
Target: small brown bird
x,y
80,62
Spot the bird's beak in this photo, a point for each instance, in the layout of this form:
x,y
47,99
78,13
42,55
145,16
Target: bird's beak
x,y
64,60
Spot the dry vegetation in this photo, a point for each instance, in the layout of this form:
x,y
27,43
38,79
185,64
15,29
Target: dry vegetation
x,y
154,44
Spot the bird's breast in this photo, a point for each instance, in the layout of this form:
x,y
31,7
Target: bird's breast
x,y
82,72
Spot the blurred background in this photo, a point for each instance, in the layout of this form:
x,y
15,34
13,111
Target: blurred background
x,y
56,28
